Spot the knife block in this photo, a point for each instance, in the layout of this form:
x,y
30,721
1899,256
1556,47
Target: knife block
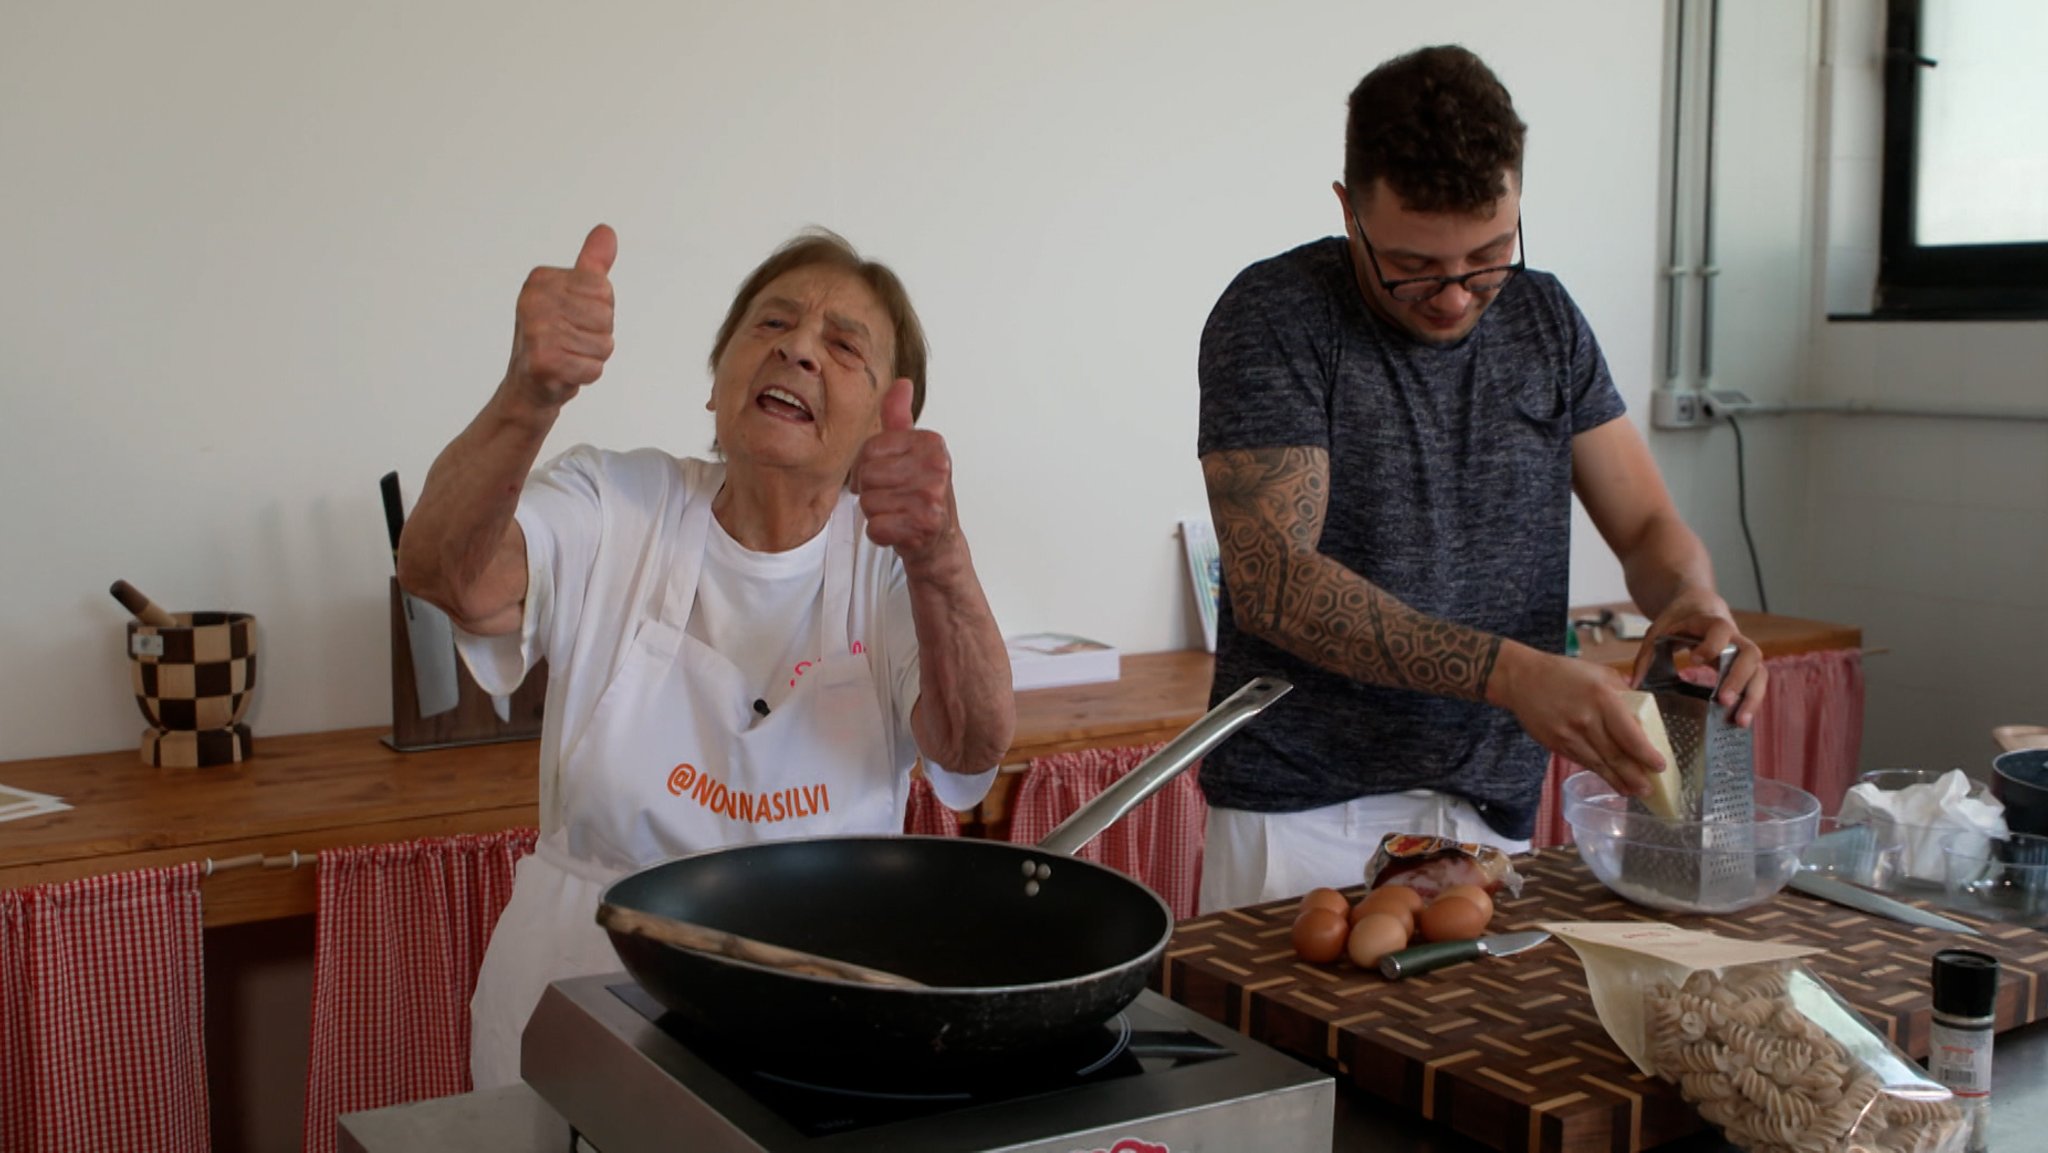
x,y
472,721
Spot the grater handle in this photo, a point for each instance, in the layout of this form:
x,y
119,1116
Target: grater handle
x,y
1662,675
1726,663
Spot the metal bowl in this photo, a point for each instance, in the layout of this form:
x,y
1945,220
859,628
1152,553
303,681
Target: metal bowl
x,y
1636,854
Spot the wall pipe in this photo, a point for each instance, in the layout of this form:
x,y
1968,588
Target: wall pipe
x,y
1892,408
1675,270
1708,269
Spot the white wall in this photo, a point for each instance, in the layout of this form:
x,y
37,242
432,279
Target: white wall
x,y
1931,533
259,254
1763,219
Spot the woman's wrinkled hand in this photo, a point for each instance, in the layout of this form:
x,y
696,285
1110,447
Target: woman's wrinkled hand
x,y
563,332
904,476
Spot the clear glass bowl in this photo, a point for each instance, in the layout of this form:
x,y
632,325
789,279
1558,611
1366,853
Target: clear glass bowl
x,y
1861,853
1892,780
1998,878
1920,864
1637,855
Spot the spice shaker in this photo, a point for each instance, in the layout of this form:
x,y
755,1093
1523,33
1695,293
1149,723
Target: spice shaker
x,y
1959,1048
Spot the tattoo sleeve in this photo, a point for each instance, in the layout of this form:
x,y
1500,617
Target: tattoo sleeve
x,y
1269,506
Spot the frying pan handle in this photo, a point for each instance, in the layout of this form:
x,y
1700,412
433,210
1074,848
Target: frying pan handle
x,y
1130,790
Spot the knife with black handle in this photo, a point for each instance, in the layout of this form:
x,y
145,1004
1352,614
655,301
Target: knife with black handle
x,y
427,630
1425,958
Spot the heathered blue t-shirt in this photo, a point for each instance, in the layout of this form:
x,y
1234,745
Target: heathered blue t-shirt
x,y
1450,488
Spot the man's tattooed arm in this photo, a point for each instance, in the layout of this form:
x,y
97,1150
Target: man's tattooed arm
x,y
1269,505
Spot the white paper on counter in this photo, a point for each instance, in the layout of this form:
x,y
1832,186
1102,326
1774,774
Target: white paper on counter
x,y
18,803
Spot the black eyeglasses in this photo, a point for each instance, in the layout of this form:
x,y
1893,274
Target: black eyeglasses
x,y
1416,289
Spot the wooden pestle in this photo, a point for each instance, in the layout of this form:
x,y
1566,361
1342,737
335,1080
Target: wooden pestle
x,y
145,610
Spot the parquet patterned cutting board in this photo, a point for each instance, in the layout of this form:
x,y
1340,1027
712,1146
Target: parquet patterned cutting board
x,y
1509,1051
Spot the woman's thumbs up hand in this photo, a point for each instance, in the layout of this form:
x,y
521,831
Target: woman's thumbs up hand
x,y
563,331
904,476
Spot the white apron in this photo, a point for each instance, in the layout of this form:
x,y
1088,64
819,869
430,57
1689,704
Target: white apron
x,y
675,759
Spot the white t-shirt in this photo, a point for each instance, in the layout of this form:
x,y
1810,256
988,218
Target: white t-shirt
x,y
759,610
597,524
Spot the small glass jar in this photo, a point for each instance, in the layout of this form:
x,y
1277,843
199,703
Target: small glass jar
x,y
1959,1043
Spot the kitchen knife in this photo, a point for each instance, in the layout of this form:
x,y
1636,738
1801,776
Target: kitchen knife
x,y
1423,958
1863,900
426,627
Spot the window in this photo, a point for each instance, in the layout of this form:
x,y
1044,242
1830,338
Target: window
x,y
1965,218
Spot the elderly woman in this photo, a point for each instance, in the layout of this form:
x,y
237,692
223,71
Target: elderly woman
x,y
755,648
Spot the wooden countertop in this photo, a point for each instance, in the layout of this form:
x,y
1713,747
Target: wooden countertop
x,y
317,791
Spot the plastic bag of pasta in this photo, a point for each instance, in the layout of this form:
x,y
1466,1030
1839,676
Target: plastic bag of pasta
x,y
1762,1047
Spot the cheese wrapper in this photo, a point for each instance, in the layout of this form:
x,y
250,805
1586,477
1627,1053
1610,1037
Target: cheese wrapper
x,y
1665,798
1429,865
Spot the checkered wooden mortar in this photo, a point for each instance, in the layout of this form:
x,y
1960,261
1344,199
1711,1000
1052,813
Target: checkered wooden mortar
x,y
193,681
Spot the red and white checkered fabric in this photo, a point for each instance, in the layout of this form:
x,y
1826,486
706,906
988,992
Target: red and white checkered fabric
x,y
401,933
1159,842
926,815
102,1030
1809,733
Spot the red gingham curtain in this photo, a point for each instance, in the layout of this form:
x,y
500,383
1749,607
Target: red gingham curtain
x,y
926,814
102,1033
1159,842
1809,734
400,935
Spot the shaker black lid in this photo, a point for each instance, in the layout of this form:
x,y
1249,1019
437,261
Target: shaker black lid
x,y
1965,982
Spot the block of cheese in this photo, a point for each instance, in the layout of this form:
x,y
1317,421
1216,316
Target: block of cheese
x,y
1664,792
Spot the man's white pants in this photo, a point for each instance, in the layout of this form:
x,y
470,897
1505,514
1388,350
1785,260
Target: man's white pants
x,y
1250,858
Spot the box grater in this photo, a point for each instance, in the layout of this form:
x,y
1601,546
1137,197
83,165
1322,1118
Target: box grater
x,y
1705,862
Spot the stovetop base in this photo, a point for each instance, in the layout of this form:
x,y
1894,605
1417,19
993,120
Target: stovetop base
x,y
629,1087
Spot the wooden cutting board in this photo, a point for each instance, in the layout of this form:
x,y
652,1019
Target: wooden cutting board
x,y
1509,1051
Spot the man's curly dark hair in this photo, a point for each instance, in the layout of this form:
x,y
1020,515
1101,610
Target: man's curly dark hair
x,y
1439,127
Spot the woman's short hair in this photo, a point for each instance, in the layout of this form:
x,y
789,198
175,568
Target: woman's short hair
x,y
822,246
1438,127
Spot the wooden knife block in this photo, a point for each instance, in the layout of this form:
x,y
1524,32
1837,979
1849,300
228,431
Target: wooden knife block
x,y
472,721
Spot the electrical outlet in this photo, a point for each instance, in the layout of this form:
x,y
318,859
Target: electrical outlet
x,y
1722,403
1675,408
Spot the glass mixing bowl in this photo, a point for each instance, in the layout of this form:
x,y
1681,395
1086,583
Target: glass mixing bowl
x,y
1636,855
1998,878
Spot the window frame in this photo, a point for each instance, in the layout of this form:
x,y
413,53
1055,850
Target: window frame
x,y
1962,281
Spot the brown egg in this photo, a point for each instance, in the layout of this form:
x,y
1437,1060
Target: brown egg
x,y
1374,936
1319,935
1474,894
1451,919
1329,899
1388,898
1396,909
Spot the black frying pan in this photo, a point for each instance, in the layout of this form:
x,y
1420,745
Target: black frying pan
x,y
1018,946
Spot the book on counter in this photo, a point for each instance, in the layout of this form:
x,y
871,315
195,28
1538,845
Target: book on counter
x,y
1048,660
1205,573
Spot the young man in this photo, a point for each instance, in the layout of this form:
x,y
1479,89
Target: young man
x,y
1393,424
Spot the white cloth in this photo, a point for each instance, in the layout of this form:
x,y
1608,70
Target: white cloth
x,y
1918,819
1249,858
652,747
